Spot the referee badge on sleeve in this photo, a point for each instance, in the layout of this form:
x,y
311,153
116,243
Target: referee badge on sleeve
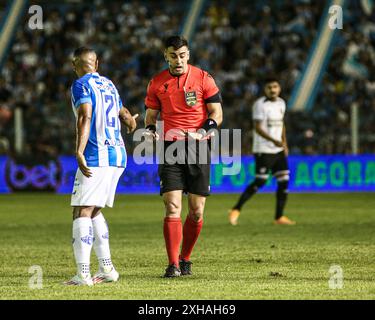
x,y
191,98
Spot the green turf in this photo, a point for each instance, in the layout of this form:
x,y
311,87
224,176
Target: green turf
x,y
255,260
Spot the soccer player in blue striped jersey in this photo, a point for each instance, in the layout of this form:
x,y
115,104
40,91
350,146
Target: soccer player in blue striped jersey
x,y
101,158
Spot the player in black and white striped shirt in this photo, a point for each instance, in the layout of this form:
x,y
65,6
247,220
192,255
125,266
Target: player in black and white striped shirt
x,y
270,151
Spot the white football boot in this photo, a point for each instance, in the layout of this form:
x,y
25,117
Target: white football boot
x,y
80,280
106,275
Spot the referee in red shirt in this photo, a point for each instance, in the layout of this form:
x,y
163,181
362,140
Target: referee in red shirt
x,y
189,103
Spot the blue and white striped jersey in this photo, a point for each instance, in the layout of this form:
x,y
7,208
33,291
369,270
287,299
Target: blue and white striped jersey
x,y
105,146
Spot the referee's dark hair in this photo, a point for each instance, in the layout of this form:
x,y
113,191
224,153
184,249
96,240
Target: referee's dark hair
x,y
176,42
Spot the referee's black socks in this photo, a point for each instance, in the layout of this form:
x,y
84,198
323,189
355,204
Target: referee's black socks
x,y
249,192
281,197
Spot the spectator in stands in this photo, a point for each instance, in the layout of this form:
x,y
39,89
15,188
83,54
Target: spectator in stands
x,y
239,41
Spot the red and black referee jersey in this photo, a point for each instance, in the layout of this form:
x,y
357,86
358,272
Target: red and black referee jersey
x,y
182,100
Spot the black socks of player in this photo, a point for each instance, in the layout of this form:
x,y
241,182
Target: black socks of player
x,y
249,192
281,197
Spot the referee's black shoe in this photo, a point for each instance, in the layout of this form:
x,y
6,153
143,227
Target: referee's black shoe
x,y
172,271
185,267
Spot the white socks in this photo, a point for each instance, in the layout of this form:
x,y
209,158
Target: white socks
x,y
82,243
87,233
101,243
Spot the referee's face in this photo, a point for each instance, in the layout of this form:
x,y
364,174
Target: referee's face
x,y
177,60
272,90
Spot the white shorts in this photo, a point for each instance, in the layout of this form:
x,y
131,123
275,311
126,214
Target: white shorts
x,y
98,190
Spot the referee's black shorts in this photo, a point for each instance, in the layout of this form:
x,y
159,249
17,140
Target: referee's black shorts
x,y
186,167
275,162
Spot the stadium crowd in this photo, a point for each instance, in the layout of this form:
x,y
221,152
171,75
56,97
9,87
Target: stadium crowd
x,y
237,41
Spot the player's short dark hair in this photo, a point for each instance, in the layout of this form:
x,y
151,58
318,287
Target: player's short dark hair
x,y
82,50
270,79
176,42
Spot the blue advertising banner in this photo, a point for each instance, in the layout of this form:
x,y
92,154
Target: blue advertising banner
x,y
3,185
307,174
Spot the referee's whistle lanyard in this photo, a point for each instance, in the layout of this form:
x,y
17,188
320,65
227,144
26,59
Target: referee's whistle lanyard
x,y
186,81
184,132
185,93
188,97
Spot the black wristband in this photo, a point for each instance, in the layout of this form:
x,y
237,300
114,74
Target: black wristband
x,y
209,124
151,127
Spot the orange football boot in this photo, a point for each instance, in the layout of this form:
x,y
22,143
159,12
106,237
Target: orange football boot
x,y
284,220
233,216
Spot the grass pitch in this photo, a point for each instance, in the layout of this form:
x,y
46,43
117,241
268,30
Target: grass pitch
x,y
254,260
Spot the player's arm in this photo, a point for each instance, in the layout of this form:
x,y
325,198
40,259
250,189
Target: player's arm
x,y
127,119
83,133
284,141
259,130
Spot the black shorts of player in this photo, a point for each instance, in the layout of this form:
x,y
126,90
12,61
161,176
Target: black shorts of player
x,y
186,167
274,162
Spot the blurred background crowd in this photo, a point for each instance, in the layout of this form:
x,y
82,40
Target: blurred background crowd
x,y
239,42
